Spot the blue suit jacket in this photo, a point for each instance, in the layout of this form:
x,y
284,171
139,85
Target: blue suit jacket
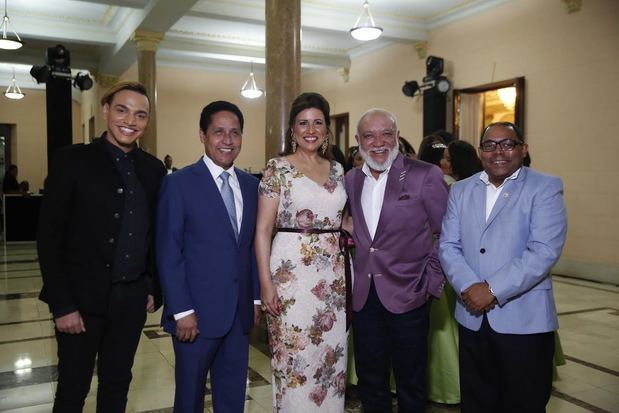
x,y
201,264
521,241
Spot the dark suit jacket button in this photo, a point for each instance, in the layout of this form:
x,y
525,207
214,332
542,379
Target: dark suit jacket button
x,y
236,280
111,240
116,215
483,250
107,265
119,191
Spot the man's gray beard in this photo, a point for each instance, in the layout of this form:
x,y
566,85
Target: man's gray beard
x,y
393,153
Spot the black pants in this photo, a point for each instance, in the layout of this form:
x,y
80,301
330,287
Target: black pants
x,y
112,340
384,340
507,373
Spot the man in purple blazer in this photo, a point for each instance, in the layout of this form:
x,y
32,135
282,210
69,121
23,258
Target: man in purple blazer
x,y
397,205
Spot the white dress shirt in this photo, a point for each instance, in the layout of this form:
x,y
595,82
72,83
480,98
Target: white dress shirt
x,y
233,180
372,196
493,192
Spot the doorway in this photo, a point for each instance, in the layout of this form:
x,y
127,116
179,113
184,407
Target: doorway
x,y
340,128
477,107
5,148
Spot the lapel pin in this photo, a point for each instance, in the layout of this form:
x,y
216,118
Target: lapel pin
x,y
505,195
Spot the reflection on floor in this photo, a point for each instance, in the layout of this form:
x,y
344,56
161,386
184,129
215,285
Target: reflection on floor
x,y
589,317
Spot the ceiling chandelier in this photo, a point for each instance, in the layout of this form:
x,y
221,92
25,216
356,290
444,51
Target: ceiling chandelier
x,y
10,39
365,29
13,91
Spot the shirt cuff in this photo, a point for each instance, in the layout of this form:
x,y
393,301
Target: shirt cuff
x,y
183,314
64,311
257,302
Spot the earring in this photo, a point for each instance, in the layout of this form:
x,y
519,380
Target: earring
x,y
293,143
325,146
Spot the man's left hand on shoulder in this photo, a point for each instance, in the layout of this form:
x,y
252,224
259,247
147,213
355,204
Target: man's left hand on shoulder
x,y
478,297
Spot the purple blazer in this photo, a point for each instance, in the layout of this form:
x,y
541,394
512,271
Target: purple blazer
x,y
403,257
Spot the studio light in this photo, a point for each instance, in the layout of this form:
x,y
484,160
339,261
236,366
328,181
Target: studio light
x,y
82,81
410,88
13,91
10,39
365,29
40,73
249,89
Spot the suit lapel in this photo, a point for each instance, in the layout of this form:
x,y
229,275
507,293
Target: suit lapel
x,y
359,177
479,203
245,193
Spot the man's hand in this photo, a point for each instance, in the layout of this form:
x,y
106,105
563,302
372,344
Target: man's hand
x,y
478,297
187,328
71,323
150,304
257,314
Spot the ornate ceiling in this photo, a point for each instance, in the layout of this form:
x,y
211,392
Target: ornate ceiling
x,y
209,34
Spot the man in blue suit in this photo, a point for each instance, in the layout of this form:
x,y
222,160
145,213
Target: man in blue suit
x,y
503,231
205,231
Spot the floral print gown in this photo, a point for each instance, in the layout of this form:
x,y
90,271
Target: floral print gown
x,y
308,339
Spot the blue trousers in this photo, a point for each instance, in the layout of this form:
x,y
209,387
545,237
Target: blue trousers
x,y
226,359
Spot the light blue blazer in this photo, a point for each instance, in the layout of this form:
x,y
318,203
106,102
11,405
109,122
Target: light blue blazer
x,y
514,250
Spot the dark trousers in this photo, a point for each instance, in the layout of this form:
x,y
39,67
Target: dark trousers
x,y
226,358
507,373
112,340
384,340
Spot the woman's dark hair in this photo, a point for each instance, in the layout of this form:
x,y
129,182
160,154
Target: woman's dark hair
x,y
464,159
431,149
406,148
426,146
304,101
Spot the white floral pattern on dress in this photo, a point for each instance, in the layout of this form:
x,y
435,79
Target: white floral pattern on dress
x,y
308,339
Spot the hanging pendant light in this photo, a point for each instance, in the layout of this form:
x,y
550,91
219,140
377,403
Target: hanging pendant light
x,y
365,29
13,91
249,89
8,41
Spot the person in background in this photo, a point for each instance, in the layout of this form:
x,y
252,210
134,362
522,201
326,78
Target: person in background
x,y
431,150
460,160
406,148
338,155
10,185
167,161
95,251
503,232
355,159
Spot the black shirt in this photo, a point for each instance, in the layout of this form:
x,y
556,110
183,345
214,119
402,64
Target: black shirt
x,y
132,247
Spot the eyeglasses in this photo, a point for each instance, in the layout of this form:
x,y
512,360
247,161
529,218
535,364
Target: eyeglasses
x,y
505,144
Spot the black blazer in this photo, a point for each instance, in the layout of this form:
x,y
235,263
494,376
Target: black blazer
x,y
79,225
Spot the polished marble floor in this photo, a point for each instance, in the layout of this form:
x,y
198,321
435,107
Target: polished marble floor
x,y
588,313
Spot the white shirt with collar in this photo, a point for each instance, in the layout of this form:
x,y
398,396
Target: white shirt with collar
x,y
372,196
233,180
493,192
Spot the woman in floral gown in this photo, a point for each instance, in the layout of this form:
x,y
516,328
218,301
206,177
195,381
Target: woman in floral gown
x,y
302,282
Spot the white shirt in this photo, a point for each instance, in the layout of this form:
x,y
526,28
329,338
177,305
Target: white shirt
x,y
493,192
233,180
372,196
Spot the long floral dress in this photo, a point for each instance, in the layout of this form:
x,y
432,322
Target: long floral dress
x,y
308,338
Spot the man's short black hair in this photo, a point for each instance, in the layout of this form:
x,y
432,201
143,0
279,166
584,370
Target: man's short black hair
x,y
218,106
510,125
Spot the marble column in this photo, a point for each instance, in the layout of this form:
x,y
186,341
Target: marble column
x,y
283,69
146,43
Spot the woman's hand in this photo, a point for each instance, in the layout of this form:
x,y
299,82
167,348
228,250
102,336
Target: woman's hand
x,y
270,301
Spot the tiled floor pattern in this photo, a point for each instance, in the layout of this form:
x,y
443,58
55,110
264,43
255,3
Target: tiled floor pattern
x,y
589,382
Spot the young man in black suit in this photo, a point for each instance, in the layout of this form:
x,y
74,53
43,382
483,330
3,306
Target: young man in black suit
x,y
95,250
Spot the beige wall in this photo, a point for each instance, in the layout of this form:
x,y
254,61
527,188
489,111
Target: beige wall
x,y
181,95
570,64
29,143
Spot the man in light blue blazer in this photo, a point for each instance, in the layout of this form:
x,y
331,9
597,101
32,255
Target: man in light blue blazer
x,y
206,219
503,232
